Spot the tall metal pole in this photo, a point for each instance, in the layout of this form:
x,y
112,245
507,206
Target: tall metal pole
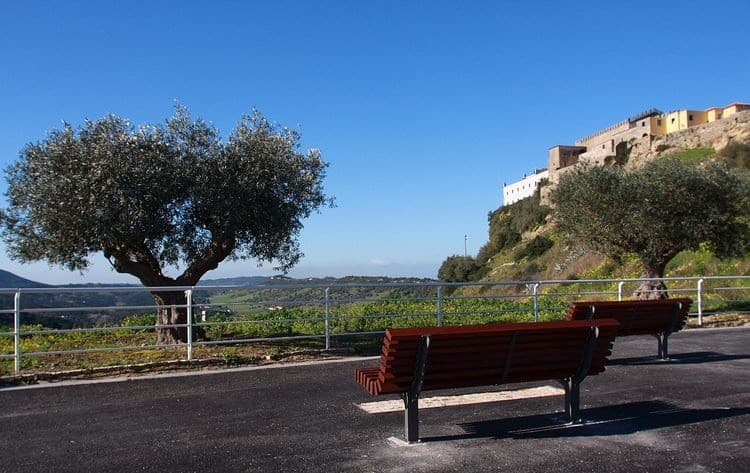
x,y
465,253
440,306
17,331
189,296
328,319
700,302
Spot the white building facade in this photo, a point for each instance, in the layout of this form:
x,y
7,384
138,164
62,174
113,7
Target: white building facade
x,y
526,187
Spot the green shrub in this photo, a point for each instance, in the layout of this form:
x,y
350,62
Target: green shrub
x,y
509,222
138,320
458,269
534,249
736,155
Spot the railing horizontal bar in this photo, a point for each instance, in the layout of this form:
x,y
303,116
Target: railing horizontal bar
x,y
481,298
382,316
41,310
345,285
353,334
260,304
96,329
255,340
105,349
256,321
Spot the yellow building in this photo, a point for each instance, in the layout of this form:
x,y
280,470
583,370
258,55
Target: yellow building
x,y
717,113
713,114
733,108
682,119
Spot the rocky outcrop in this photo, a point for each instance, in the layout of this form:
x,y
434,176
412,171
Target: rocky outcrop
x,y
716,135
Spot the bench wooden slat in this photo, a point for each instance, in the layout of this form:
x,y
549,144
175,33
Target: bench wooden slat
x,y
639,317
467,356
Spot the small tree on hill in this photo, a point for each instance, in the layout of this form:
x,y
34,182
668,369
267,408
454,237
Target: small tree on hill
x,y
162,195
655,213
458,269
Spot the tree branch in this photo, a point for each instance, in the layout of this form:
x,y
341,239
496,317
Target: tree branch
x,y
219,249
141,264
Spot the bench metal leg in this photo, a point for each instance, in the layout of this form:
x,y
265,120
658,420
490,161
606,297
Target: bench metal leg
x,y
663,347
411,397
664,337
411,417
572,400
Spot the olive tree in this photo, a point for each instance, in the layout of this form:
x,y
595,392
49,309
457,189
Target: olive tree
x,y
172,195
654,212
458,269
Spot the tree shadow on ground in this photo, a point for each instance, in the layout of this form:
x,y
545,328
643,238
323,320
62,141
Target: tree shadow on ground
x,y
620,419
680,358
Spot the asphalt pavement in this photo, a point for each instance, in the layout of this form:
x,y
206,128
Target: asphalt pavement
x,y
691,414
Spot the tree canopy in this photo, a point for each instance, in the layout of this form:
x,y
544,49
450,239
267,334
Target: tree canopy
x,y
166,195
458,269
655,212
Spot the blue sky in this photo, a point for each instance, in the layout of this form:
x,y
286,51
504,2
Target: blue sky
x,y
422,109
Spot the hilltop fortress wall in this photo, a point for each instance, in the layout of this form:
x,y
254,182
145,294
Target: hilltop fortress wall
x,y
650,135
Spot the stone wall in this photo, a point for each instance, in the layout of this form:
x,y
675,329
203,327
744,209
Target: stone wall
x,y
717,135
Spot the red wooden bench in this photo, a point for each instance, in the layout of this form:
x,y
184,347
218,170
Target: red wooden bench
x,y
428,358
659,318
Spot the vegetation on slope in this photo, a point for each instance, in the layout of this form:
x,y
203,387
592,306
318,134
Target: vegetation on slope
x,y
524,245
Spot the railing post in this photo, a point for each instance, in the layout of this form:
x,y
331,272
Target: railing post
x,y
189,297
619,290
536,302
440,306
328,318
17,331
700,302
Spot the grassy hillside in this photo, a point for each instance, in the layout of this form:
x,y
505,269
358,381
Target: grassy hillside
x,y
525,245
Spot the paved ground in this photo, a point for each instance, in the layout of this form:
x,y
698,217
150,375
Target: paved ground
x,y
690,415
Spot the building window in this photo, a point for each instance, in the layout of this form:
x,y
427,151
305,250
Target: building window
x,y
603,146
690,117
673,120
658,122
643,123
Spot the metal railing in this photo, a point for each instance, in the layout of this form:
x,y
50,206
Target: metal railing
x,y
326,312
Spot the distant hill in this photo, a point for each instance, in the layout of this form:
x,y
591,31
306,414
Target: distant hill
x,y
8,279
261,287
238,281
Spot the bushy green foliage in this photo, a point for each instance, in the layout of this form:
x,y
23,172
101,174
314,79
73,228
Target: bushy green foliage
x,y
164,195
655,212
534,248
140,320
736,155
508,223
458,269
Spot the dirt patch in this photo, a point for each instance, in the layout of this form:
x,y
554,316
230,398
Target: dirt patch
x,y
154,367
721,320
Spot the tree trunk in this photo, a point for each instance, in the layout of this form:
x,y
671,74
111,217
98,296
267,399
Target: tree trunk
x,y
172,310
655,288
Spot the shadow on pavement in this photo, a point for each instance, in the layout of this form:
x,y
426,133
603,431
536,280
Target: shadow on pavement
x,y
680,358
601,421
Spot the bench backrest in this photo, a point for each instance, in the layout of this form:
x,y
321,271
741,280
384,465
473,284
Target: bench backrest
x,y
482,355
636,317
